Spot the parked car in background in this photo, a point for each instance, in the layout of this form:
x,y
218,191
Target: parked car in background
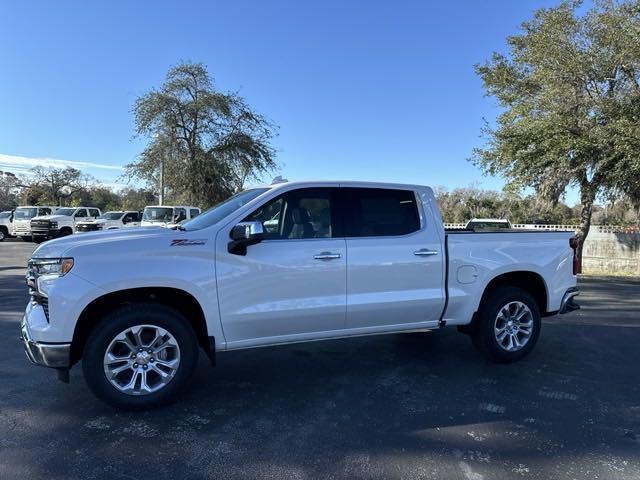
x,y
488,224
110,221
6,224
344,259
22,217
167,216
61,223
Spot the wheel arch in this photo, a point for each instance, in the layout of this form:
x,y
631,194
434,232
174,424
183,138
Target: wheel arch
x,y
527,280
175,298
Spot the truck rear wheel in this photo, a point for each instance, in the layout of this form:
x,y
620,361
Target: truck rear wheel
x,y
3,234
507,325
140,356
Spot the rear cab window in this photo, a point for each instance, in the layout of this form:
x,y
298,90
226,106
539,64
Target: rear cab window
x,y
379,212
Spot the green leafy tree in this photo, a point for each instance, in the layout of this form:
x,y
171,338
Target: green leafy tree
x,y
10,186
570,94
53,186
136,198
210,142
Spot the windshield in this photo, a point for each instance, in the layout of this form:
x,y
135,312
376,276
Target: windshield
x,y
24,213
67,212
223,209
111,215
158,214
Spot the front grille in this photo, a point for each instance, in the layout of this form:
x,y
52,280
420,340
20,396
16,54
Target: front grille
x,y
89,227
44,302
31,279
40,226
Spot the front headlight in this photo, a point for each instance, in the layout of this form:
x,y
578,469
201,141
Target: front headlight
x,y
53,225
43,272
55,267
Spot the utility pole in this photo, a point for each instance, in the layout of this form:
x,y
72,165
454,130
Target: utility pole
x,y
162,180
161,192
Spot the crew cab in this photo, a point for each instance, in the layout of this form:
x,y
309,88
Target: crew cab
x,y
6,224
344,259
61,223
22,217
167,216
110,221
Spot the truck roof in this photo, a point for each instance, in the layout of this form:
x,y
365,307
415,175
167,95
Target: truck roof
x,y
171,206
347,183
494,220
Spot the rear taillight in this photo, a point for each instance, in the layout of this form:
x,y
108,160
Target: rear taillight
x,y
573,243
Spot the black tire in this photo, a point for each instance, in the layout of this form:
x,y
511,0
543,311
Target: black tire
x,y
64,232
39,239
3,234
26,239
483,333
119,320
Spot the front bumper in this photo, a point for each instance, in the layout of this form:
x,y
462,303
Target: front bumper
x,y
54,355
568,303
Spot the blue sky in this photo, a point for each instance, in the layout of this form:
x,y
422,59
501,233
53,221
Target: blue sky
x,y
360,90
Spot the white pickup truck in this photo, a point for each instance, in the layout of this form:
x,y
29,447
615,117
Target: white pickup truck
x,y
6,224
22,217
110,221
167,216
61,223
344,259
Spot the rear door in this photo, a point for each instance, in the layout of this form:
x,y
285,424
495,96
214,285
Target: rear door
x,y
291,285
394,262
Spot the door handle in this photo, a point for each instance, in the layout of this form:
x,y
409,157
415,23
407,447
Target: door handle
x,y
423,252
326,256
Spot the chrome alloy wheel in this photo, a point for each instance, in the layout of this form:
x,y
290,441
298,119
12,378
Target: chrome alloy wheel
x,y
141,360
513,326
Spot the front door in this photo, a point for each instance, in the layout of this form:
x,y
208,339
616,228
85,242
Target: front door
x,y
292,285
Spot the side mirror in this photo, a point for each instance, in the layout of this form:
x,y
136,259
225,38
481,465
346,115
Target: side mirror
x,y
243,235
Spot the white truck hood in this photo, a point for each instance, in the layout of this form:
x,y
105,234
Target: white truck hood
x,y
97,221
51,217
60,246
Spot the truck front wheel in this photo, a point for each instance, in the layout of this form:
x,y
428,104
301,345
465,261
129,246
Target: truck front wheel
x,y
140,356
507,325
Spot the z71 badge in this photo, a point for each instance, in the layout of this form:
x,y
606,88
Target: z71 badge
x,y
185,242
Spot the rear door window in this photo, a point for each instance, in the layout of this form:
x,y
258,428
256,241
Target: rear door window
x,y
378,212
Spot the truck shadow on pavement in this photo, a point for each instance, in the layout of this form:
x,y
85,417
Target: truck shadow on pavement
x,y
393,406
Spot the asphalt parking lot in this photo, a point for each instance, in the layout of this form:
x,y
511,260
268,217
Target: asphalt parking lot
x,y
401,406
